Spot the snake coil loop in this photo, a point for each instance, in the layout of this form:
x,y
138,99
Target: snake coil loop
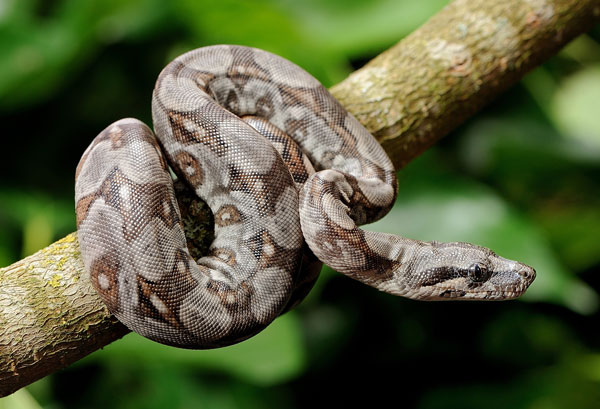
x,y
244,129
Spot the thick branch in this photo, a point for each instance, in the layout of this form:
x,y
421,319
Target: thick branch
x,y
409,97
419,90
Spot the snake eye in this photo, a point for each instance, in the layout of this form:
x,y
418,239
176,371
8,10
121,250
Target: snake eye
x,y
478,272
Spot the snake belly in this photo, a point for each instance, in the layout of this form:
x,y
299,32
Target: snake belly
x,y
244,128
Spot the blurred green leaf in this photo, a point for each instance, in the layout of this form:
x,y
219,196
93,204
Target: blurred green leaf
x,y
556,387
527,339
37,234
273,356
41,53
361,27
541,85
590,366
39,218
575,107
21,399
583,49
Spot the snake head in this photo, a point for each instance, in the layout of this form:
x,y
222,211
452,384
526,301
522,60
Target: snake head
x,y
445,271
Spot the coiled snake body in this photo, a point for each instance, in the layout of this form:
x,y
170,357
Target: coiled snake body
x,y
220,114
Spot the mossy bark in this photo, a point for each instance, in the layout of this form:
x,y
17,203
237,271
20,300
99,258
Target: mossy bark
x,y
408,97
50,315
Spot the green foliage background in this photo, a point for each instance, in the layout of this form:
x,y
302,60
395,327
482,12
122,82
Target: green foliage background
x,y
522,177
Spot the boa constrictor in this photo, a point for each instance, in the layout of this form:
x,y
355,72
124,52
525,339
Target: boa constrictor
x,y
220,114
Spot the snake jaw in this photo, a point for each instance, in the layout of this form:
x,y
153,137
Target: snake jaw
x,y
463,289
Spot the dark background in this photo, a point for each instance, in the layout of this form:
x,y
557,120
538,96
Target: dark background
x,y
522,177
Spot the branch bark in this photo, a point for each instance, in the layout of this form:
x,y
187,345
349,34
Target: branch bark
x,y
408,97
462,58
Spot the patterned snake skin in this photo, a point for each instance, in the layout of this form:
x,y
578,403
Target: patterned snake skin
x,y
233,122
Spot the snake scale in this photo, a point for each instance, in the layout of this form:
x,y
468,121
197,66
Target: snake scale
x,y
280,163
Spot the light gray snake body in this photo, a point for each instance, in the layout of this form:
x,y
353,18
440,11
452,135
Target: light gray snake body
x,y
220,114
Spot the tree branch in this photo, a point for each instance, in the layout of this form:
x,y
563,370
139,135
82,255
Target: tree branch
x,y
462,58
409,97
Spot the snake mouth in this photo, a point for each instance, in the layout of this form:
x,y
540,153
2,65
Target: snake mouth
x,y
458,295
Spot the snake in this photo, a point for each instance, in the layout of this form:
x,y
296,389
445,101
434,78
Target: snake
x,y
288,175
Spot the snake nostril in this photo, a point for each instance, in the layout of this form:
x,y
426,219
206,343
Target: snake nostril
x,y
527,273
